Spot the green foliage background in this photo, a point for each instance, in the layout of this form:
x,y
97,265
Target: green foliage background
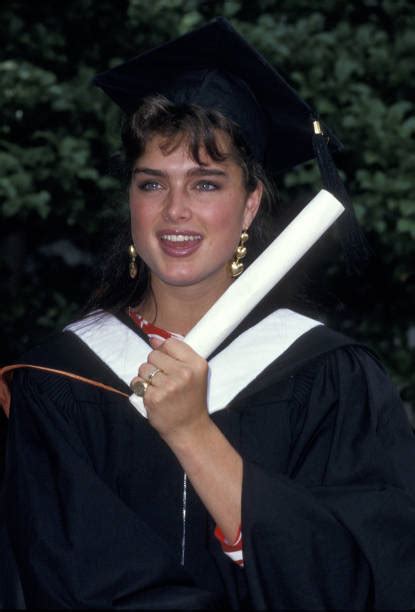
x,y
353,61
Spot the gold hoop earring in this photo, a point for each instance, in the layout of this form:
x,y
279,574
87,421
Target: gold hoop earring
x,y
236,266
133,266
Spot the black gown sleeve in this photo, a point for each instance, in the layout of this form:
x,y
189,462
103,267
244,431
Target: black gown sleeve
x,y
336,530
77,545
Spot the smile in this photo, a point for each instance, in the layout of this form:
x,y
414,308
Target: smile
x,y
180,237
176,244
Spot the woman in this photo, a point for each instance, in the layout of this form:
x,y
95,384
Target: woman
x,y
297,495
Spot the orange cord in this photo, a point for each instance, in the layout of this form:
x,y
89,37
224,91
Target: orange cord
x,y
5,398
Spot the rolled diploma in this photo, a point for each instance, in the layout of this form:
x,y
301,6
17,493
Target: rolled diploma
x,y
261,276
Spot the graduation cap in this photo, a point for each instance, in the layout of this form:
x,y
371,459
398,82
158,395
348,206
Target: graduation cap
x,y
216,68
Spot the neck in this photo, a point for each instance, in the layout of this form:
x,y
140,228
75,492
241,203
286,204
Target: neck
x,y
178,309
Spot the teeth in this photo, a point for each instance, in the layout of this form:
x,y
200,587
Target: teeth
x,y
180,237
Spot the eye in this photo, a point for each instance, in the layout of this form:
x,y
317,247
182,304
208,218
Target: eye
x,y
207,186
149,186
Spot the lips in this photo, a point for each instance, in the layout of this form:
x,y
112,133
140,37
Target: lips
x,y
179,243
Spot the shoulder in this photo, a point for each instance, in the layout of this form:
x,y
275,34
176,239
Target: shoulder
x,y
66,346
64,357
345,377
40,375
62,352
324,354
61,349
320,344
327,349
313,347
326,362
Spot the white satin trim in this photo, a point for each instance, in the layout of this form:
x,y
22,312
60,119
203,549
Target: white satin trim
x,y
229,372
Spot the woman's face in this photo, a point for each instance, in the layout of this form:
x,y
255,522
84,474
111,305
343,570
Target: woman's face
x,y
186,219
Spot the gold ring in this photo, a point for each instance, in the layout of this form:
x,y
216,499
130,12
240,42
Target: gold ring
x,y
152,375
140,387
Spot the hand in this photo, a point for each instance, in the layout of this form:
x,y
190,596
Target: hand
x,y
176,398
177,408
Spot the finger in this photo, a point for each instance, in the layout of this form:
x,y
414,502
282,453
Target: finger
x,y
156,342
144,397
162,361
134,380
149,372
178,350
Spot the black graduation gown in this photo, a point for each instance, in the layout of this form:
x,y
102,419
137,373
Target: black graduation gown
x,y
94,498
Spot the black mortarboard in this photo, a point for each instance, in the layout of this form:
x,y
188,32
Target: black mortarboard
x,y
215,67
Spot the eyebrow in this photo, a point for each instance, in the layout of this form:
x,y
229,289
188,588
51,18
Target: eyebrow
x,y
197,171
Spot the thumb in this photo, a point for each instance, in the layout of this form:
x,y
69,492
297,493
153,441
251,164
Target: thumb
x,y
155,343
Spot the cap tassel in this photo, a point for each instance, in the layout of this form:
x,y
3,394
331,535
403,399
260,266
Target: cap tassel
x,y
351,236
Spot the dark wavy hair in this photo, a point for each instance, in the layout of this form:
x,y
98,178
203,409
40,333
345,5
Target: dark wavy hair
x,y
198,128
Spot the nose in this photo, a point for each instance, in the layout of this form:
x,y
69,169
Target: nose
x,y
176,205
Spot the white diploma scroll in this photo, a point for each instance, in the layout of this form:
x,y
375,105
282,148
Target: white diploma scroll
x,y
261,276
